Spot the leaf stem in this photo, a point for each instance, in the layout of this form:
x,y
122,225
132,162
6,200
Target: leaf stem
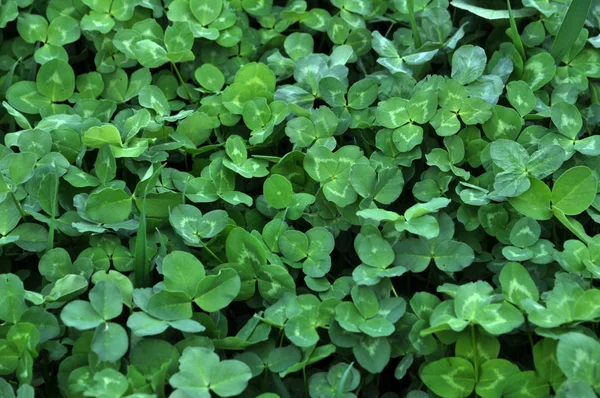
x,y
475,354
429,277
281,334
529,337
189,97
305,381
211,252
18,204
393,289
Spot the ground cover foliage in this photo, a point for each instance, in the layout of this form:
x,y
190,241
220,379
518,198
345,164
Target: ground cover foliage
x,y
308,198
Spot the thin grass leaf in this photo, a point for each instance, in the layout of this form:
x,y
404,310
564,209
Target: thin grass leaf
x,y
339,388
52,226
413,23
141,272
516,38
570,28
141,261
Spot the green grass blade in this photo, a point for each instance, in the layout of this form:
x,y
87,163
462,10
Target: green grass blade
x,y
54,195
340,386
141,261
570,28
141,271
516,38
413,23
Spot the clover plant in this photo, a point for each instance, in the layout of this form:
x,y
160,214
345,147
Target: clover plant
x,y
299,198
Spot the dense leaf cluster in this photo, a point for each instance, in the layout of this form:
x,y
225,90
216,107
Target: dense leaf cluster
x,y
344,198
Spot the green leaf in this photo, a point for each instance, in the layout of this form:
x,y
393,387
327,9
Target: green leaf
x,y
149,54
56,80
110,341
9,358
535,202
242,247
577,355
215,292
12,301
525,232
194,376
453,256
152,97
520,96
468,64
471,299
526,383
475,111
210,77
229,378
80,315
574,191
504,123
67,287
182,271
490,14
517,284
372,353
567,119
362,94
301,332
449,377
499,319
25,97
495,375
278,191
298,45
63,30
108,205
142,324
539,70
365,301
206,11
97,136
109,382
32,28
106,300
170,306
374,251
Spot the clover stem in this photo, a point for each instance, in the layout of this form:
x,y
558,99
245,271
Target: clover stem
x,y
305,381
18,204
475,356
529,337
189,97
387,32
211,253
281,334
264,380
393,290
429,276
